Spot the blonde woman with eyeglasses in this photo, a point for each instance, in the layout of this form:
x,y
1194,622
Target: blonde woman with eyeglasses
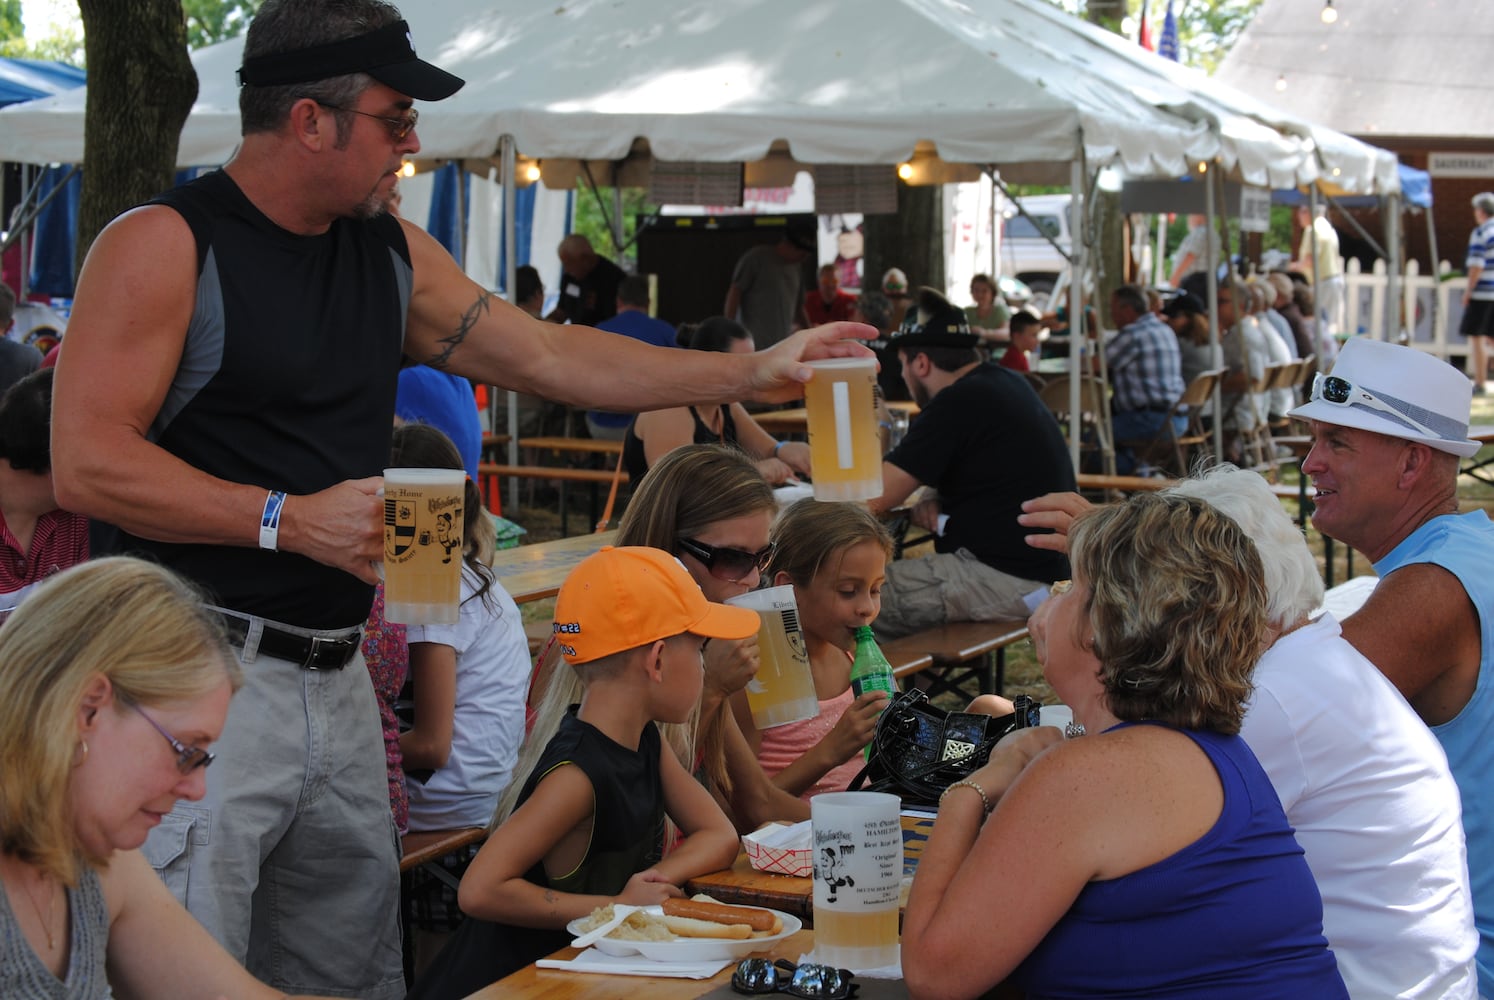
x,y
113,682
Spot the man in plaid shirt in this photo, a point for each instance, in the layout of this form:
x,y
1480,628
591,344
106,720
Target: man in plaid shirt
x,y
1146,372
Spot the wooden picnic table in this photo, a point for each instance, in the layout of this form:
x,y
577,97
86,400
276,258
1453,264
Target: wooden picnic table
x,y
1483,433
742,885
796,421
535,572
534,983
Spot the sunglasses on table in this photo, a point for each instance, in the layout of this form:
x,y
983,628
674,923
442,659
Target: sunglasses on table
x,y
1342,392
754,976
725,563
188,759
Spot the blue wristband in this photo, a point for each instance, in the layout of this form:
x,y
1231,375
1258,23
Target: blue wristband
x,y
269,521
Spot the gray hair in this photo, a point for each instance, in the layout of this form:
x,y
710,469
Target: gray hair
x,y
290,25
1293,587
1484,202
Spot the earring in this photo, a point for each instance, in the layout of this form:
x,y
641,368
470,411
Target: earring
x,y
84,744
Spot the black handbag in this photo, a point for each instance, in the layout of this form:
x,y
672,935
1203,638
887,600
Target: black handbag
x,y
919,750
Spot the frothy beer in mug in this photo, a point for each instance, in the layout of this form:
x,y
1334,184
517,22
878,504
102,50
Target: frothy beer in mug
x,y
845,446
782,691
423,530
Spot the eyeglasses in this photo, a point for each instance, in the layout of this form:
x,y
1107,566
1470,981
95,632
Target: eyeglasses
x,y
398,127
754,976
1342,392
727,563
188,759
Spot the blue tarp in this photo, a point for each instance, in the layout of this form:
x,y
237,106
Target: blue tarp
x,y
1416,190
28,79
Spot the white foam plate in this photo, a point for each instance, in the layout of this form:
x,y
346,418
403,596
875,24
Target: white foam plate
x,y
692,949
1056,715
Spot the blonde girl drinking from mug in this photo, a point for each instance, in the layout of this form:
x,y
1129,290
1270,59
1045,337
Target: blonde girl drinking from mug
x,y
835,556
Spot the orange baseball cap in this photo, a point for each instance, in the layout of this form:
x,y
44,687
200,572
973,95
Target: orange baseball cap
x,y
622,598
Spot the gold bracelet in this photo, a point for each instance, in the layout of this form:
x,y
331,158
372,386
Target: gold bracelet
x,y
985,801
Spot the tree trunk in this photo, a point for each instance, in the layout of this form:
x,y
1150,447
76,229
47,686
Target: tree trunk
x,y
141,86
913,239
1110,241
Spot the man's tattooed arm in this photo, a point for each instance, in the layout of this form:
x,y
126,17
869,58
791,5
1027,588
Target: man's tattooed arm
x,y
475,311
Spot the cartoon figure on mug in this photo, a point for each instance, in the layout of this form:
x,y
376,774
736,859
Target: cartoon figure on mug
x,y
825,871
445,537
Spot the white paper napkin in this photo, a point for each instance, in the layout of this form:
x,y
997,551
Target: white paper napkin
x,y
592,960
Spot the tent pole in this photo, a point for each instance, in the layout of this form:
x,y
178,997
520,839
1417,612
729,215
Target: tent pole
x,y
617,218
1212,269
510,277
1436,272
1312,244
1077,332
1391,206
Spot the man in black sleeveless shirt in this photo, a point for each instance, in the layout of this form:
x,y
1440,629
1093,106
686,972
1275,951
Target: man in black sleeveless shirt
x,y
224,406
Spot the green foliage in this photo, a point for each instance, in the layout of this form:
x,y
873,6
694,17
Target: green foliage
x,y
210,21
63,46
1206,28
10,20
590,221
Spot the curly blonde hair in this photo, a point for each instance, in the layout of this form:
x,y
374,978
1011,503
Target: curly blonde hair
x,y
1177,602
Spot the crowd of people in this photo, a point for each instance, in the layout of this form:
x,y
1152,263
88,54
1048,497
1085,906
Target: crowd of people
x,y
1255,799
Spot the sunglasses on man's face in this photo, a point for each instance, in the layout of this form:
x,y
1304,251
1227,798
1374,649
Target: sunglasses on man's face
x,y
725,563
1342,392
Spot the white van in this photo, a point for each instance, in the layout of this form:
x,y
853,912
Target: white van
x,y
1025,252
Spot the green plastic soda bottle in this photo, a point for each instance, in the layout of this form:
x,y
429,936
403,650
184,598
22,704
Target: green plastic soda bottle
x,y
870,670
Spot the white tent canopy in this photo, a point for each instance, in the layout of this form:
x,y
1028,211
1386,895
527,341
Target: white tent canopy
x,y
1010,83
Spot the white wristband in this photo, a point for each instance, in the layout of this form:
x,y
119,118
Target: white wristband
x,y
269,522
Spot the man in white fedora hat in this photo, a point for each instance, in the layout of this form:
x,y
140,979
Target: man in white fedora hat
x,y
1389,425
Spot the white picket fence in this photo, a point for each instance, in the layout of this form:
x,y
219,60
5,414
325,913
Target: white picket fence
x,y
1432,330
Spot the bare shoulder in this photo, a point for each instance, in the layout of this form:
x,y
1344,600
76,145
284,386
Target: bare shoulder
x,y
128,881
1419,626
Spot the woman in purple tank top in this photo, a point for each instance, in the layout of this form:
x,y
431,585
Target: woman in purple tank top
x,y
1150,858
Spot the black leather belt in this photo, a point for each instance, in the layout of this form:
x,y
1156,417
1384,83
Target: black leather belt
x,y
310,652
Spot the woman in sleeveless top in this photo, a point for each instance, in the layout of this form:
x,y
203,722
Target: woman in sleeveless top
x,y
113,679
654,434
1151,857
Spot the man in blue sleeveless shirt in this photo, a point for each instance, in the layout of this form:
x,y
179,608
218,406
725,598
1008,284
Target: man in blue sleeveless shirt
x,y
1389,426
224,405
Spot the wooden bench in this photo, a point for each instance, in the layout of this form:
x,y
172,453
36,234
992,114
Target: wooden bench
x,y
1122,484
958,653
420,849
490,472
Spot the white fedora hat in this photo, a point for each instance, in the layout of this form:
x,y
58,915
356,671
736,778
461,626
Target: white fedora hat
x,y
1397,391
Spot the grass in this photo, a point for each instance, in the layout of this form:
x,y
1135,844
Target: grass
x,y
1024,674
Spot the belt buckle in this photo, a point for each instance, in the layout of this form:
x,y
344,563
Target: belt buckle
x,y
340,647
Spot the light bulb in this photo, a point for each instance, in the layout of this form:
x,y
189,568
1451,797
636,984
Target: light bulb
x,y
532,172
1329,15
407,169
1281,83
905,171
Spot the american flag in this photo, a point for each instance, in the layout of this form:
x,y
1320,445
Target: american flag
x,y
1168,47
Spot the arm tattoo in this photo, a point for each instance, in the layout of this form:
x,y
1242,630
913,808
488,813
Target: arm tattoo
x,y
475,311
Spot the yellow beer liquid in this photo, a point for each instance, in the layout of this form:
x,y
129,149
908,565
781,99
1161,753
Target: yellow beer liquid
x,y
783,690
845,447
856,939
423,551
